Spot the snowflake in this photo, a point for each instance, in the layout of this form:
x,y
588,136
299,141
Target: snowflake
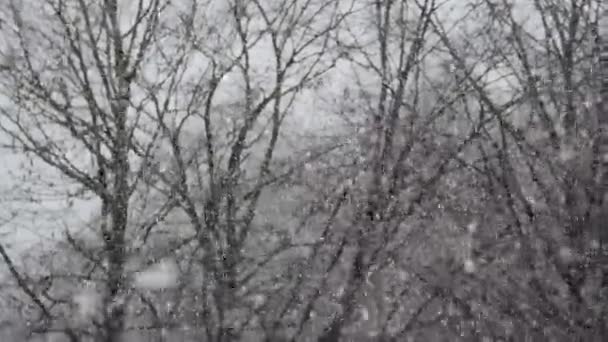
x,y
364,314
87,302
566,254
258,300
160,276
567,153
594,244
469,266
472,227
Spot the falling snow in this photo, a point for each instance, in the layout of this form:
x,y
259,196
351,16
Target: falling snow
x,y
87,302
405,171
469,266
566,254
163,275
567,153
364,314
472,227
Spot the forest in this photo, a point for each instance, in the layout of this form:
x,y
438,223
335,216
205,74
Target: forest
x,y
303,170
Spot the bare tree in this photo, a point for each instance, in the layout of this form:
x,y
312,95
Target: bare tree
x,y
390,177
68,81
456,193
540,158
242,67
